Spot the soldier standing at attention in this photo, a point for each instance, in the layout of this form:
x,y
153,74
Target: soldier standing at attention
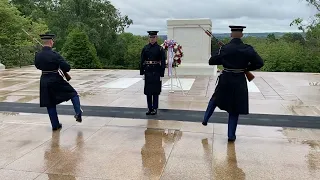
x,y
152,67
231,93
53,88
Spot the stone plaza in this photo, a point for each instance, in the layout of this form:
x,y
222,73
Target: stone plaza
x,y
130,148
279,140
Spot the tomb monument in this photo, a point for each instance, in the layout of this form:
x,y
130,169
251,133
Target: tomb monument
x,y
196,45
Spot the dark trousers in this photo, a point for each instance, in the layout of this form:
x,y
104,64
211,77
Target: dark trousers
x,y
153,101
232,121
53,115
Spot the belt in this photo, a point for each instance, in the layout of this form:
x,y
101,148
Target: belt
x,y
152,62
229,70
48,72
234,70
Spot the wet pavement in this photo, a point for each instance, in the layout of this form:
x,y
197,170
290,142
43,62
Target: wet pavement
x,y
278,93
114,148
125,148
171,114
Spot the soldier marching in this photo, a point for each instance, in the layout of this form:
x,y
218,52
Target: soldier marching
x,y
53,88
231,93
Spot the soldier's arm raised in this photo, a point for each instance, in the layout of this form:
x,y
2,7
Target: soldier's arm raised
x,y
216,57
255,60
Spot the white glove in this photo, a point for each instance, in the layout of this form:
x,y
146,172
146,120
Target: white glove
x,y
161,78
143,77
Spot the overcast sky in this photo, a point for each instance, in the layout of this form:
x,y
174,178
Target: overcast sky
x,y
257,15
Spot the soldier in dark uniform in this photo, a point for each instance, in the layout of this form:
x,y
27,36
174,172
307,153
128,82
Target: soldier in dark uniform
x,y
152,66
53,88
231,93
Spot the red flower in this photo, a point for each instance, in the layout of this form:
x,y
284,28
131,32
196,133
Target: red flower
x,y
179,61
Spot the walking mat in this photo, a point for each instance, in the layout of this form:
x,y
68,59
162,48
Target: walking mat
x,y
170,114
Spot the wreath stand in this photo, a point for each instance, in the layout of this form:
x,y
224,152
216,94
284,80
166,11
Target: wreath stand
x,y
173,85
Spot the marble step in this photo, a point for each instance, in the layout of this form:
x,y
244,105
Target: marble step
x,y
195,69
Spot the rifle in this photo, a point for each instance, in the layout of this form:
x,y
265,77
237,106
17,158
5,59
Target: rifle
x,y
63,74
248,74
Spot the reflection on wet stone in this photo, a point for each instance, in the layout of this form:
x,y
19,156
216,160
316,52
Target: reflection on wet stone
x,y
228,169
152,153
8,83
313,156
27,99
275,90
55,151
157,149
84,94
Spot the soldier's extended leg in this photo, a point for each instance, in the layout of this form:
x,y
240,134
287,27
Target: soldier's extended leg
x,y
53,115
210,109
77,108
155,104
232,126
149,101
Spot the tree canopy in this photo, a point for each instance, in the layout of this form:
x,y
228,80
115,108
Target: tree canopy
x,y
90,34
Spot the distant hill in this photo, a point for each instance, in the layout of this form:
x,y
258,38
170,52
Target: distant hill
x,y
226,35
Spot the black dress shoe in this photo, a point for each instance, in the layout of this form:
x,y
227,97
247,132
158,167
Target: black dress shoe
x,y
149,112
154,112
78,118
231,139
204,123
57,128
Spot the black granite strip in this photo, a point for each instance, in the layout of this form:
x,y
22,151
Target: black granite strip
x,y
170,114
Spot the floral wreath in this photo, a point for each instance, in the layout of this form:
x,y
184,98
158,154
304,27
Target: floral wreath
x,y
177,50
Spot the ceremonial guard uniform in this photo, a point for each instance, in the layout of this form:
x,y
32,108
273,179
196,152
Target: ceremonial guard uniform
x,y
231,93
152,67
53,88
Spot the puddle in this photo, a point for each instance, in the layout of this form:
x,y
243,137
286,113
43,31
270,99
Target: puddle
x,y
20,99
5,92
10,113
27,99
314,83
87,83
33,86
313,157
3,98
84,94
313,144
8,83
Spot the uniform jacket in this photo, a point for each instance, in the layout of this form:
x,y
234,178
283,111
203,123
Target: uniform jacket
x,y
53,88
152,72
231,93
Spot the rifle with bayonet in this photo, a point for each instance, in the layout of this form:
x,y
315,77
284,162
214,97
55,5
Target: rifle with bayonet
x,y
62,73
248,74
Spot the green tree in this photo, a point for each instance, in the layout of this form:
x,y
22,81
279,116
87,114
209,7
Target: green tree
x,y
98,18
80,52
133,45
312,31
271,38
294,37
15,45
